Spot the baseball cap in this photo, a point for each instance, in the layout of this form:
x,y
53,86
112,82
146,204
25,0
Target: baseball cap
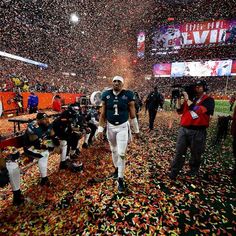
x,y
200,83
41,115
117,77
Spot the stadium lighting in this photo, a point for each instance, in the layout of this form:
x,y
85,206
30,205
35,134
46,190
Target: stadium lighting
x,y
8,55
74,18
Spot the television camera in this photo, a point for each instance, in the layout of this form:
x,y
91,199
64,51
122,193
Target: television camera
x,y
178,89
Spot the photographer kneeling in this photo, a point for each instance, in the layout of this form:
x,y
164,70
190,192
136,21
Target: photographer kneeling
x,y
192,133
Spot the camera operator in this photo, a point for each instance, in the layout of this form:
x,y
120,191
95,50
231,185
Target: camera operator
x,y
192,133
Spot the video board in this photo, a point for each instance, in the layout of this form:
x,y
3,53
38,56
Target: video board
x,y
162,70
195,68
170,38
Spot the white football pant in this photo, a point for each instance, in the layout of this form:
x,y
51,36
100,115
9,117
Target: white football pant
x,y
118,137
14,170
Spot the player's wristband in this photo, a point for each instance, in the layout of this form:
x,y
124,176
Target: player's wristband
x,y
134,123
100,129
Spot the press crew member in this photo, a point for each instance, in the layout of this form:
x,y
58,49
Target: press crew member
x,y
192,133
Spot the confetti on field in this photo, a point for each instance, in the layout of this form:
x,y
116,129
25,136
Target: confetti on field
x,y
89,203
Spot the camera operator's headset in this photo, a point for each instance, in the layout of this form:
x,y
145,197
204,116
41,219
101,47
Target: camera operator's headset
x,y
202,83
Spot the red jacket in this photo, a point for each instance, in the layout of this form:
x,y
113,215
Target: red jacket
x,y
56,105
203,118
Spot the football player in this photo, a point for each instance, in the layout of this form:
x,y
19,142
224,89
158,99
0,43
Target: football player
x,y
37,143
117,107
69,138
38,137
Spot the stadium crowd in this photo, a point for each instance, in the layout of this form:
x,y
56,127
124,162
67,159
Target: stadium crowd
x,y
46,81
38,81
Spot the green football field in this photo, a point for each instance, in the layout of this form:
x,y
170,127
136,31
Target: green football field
x,y
222,106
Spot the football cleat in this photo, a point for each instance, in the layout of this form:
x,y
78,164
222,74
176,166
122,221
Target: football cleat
x,y
192,173
121,185
45,182
18,198
85,145
63,165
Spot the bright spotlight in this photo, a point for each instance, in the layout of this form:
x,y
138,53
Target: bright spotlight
x,y
74,18
12,56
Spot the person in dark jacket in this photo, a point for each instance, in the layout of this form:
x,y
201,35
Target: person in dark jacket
x,y
153,101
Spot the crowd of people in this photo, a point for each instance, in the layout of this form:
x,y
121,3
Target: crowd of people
x,y
39,82
47,83
20,77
